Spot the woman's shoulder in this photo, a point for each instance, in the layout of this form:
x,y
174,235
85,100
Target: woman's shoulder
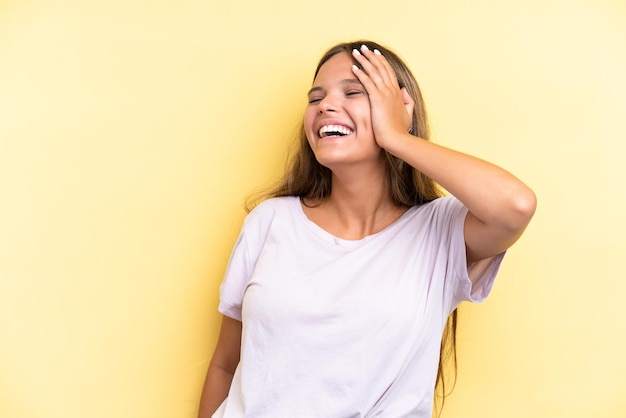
x,y
447,202
260,219
270,208
441,208
271,205
438,204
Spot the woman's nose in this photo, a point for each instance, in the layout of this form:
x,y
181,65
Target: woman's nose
x,y
328,104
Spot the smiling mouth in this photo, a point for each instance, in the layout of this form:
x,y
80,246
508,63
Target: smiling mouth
x,y
327,131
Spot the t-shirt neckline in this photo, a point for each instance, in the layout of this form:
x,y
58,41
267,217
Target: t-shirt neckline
x,y
330,238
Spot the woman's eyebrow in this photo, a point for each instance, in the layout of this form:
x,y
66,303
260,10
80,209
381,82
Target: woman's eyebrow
x,y
342,82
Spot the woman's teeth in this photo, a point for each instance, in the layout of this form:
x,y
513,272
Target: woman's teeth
x,y
334,130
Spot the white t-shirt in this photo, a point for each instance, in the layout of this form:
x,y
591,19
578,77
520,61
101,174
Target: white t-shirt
x,y
334,328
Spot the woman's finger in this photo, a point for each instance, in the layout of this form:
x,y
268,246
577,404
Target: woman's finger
x,y
368,68
378,61
364,78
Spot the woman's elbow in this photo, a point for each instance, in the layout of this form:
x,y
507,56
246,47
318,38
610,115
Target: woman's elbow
x,y
523,204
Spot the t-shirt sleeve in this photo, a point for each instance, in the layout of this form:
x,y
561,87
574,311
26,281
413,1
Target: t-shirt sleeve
x,y
235,279
243,258
482,273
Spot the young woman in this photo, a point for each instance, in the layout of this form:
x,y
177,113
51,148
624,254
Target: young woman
x,y
341,283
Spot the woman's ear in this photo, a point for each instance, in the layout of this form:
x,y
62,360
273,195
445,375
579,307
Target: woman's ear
x,y
409,104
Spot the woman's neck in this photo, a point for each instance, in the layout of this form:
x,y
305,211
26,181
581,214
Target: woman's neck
x,y
359,205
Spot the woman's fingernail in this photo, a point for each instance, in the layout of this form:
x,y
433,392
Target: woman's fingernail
x,y
377,52
354,67
356,51
364,48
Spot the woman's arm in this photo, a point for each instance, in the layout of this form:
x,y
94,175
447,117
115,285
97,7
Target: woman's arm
x,y
500,206
222,367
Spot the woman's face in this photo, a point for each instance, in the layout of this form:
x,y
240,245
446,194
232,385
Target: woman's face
x,y
337,121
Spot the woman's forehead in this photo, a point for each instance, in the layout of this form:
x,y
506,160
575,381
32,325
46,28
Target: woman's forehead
x,y
338,67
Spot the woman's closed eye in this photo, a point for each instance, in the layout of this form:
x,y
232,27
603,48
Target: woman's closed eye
x,y
354,92
314,99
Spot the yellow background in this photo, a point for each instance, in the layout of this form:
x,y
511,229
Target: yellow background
x,y
132,131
